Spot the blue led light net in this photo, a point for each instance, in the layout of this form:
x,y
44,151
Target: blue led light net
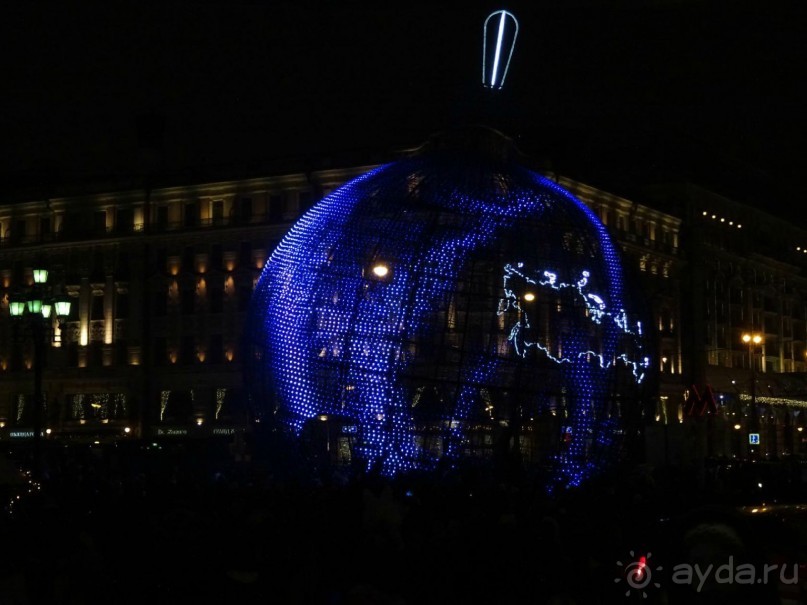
x,y
445,306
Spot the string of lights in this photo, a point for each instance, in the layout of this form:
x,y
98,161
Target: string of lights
x,y
388,290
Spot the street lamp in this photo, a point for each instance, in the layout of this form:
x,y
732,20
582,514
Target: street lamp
x,y
37,308
753,339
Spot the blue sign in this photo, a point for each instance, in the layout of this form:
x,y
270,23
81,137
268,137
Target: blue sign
x,y
753,438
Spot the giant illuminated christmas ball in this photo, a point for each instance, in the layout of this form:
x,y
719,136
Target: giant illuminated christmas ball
x,y
451,304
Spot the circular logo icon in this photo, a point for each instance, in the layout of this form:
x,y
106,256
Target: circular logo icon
x,y
637,574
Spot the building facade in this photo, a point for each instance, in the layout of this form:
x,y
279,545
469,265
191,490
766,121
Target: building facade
x,y
160,282
161,278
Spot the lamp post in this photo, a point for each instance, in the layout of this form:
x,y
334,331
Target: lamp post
x,y
753,339
37,307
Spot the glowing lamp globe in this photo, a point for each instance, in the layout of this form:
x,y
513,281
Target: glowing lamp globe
x,y
452,305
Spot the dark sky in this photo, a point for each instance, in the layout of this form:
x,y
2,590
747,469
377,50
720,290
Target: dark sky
x,y
635,90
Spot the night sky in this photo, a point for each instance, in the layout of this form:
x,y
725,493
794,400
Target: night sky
x,y
619,96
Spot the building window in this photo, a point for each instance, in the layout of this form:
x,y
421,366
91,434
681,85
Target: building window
x,y
98,273
305,198
96,354
122,305
160,304
161,220
72,223
188,301
121,353
124,220
72,353
44,226
160,351
188,259
97,310
245,254
191,214
216,298
245,209
244,294
275,208
216,256
187,351
178,407
216,353
161,260
16,359
99,221
217,212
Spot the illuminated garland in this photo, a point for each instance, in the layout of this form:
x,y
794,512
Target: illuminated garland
x,y
595,311
20,407
164,395
798,403
98,405
220,395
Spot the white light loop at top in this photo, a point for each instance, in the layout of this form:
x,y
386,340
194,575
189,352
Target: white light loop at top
x,y
498,42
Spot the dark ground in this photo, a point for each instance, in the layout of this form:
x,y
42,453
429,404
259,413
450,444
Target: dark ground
x,y
188,523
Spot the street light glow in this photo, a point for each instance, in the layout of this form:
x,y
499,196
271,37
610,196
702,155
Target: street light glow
x,y
40,276
381,270
16,307
62,306
39,304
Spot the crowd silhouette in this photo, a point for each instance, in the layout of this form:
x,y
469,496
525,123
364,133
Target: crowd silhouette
x,y
167,523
